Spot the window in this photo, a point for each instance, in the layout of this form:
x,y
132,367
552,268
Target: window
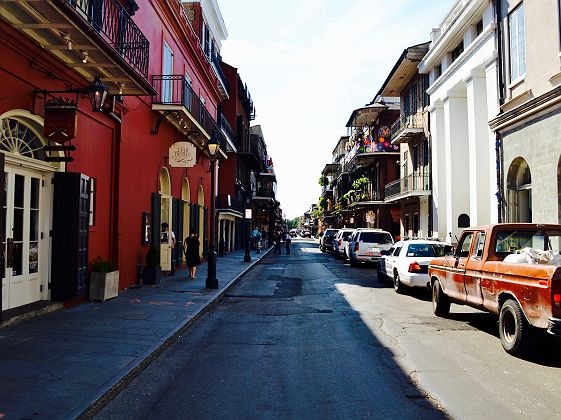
x,y
517,43
479,27
465,245
92,202
397,251
456,52
479,246
426,250
167,70
376,238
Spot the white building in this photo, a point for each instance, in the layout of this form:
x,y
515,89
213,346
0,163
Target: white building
x,y
462,67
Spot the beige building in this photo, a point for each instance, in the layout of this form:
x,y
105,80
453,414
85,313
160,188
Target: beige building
x,y
528,127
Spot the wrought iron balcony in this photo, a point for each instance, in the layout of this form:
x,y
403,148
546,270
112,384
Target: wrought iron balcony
x,y
406,126
362,197
226,130
411,185
96,38
227,202
183,108
223,86
264,192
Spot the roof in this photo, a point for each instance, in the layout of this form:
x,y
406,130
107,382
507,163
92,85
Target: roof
x,y
403,70
366,115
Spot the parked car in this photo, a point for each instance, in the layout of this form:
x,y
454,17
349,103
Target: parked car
x,y
306,234
326,240
340,242
293,233
406,263
511,270
366,245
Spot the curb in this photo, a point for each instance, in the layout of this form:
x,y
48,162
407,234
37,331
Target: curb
x,y
120,381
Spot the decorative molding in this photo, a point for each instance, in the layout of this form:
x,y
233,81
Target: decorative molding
x,y
464,57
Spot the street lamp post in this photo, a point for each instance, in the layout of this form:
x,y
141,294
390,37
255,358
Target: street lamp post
x,y
211,280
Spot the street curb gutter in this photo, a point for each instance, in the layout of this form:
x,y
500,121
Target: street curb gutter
x,y
120,381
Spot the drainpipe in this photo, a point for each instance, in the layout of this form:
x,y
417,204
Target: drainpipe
x,y
498,139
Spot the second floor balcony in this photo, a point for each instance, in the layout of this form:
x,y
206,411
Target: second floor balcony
x,y
253,152
406,126
216,63
94,38
226,202
226,128
408,186
181,106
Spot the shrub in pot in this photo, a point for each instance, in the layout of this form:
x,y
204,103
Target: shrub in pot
x,y
152,273
104,279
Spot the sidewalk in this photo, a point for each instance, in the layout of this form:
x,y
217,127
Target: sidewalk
x,y
64,364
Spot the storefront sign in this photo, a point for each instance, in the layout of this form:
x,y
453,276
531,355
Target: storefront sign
x,y
248,213
61,120
182,155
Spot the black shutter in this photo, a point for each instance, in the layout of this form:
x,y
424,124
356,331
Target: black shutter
x,y
194,211
2,226
71,209
177,228
156,222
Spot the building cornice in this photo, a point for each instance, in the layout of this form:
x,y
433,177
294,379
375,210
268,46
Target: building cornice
x,y
464,57
527,109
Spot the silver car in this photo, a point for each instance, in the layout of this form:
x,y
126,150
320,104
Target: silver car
x,y
366,245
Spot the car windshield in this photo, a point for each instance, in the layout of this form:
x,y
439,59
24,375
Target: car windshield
x,y
426,250
346,235
376,238
331,232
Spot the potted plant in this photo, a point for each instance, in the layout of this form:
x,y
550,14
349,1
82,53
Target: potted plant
x,y
104,279
152,273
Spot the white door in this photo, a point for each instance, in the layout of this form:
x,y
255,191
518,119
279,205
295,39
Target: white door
x,y
24,247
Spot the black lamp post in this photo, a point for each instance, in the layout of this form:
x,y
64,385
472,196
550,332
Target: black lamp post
x,y
211,280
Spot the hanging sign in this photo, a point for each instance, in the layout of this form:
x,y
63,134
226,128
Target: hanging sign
x,y
61,120
182,155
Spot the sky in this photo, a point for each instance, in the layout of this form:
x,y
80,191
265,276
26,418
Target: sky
x,y
308,64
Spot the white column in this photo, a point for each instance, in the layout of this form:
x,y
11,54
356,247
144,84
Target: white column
x,y
491,74
438,159
423,217
479,164
456,152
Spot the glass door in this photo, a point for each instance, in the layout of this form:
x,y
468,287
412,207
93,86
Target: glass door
x,y
21,282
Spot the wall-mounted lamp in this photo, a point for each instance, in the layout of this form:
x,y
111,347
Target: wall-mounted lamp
x,y
121,88
97,93
68,41
84,56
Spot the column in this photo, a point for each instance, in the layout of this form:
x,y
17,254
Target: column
x,y
478,134
456,150
438,166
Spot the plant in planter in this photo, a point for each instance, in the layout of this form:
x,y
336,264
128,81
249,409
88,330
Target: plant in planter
x,y
104,279
323,181
152,273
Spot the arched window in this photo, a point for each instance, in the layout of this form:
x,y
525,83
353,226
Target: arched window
x,y
21,139
519,192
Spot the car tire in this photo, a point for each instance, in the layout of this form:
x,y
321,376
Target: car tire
x,y
517,335
397,284
440,302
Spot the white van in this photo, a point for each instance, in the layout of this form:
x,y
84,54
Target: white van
x,y
366,245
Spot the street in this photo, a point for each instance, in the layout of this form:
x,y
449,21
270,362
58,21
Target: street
x,y
306,336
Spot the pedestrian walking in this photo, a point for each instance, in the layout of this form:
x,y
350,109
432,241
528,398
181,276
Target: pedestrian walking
x,y
277,242
191,250
287,243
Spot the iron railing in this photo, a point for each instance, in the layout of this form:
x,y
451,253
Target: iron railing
x,y
216,61
174,89
410,183
265,192
226,127
226,201
111,20
406,121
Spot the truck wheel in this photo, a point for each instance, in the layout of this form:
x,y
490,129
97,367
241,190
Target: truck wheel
x,y
515,332
440,302
397,284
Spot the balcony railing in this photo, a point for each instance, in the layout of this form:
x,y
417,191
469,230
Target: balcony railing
x,y
265,192
216,61
110,19
408,184
226,201
225,126
405,122
361,197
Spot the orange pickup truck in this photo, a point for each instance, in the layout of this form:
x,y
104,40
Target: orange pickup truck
x,y
524,293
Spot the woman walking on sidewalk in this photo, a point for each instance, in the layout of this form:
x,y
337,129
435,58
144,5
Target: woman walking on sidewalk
x,y
191,251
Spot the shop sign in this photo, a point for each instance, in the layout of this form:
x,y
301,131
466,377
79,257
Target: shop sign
x,y
182,155
61,120
248,213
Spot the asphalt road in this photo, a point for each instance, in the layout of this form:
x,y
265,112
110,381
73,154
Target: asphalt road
x,y
307,336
